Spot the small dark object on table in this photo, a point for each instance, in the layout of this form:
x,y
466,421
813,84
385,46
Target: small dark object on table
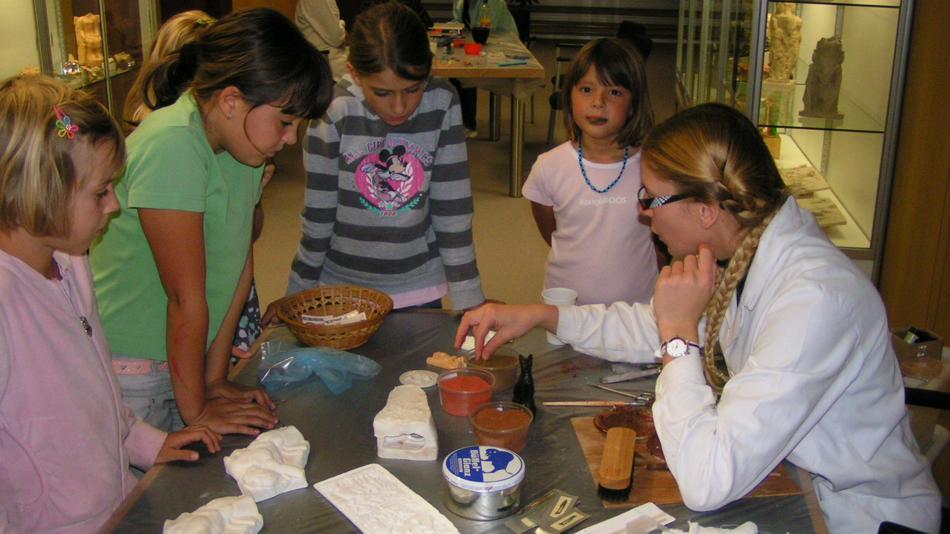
x,y
524,387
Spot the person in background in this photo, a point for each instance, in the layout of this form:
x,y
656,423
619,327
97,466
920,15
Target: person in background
x,y
775,346
583,192
388,202
467,12
67,439
320,23
178,30
415,5
173,270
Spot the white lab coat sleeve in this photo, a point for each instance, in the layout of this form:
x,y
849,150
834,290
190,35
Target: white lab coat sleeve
x,y
800,343
621,332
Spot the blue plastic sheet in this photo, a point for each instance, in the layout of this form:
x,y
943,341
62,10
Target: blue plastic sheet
x,y
285,364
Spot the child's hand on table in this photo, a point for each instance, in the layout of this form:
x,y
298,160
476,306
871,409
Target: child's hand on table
x,y
172,451
270,315
235,417
225,389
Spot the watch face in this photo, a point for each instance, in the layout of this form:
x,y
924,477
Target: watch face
x,y
676,347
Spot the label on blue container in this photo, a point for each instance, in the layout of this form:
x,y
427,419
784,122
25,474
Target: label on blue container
x,y
481,468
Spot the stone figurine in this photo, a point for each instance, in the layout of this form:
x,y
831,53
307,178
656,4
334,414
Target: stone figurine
x,y
785,38
824,80
88,40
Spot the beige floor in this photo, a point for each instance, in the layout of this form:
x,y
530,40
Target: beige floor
x,y
509,249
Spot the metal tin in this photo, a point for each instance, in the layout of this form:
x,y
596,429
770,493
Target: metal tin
x,y
484,482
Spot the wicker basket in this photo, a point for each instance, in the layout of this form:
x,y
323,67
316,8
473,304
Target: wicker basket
x,y
335,300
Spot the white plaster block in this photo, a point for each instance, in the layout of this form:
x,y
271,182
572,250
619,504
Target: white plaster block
x,y
404,428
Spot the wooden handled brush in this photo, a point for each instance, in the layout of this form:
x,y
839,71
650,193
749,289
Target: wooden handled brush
x,y
616,466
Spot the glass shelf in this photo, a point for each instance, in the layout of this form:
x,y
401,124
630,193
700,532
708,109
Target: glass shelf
x,y
847,235
93,44
846,3
725,48
854,118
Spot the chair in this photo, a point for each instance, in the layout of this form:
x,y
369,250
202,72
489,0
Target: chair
x,y
556,98
931,446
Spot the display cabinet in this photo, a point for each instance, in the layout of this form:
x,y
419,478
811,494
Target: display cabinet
x,y
94,44
823,79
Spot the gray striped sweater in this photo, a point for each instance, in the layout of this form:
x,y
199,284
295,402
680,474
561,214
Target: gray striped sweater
x,y
388,207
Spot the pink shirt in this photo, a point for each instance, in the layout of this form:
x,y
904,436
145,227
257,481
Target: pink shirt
x,y
600,248
66,436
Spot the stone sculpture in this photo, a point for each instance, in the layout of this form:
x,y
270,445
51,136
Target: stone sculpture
x,y
785,38
824,80
88,40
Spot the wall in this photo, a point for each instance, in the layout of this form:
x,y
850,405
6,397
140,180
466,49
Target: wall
x,y
284,6
18,28
915,277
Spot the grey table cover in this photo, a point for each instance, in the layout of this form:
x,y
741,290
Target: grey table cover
x,y
340,431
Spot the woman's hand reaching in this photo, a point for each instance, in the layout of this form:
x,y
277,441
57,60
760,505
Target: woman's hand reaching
x,y
508,322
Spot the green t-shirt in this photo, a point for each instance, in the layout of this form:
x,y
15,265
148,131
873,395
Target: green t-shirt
x,y
171,166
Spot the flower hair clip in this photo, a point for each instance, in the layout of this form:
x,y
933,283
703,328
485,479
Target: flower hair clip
x,y
64,124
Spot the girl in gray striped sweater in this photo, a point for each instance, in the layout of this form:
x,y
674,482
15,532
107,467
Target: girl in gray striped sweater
x,y
388,202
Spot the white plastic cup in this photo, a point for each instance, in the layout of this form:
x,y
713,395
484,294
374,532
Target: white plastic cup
x,y
558,296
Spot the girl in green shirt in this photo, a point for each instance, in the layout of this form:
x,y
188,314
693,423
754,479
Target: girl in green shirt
x,y
173,270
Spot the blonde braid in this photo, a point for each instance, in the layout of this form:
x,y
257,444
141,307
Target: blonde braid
x,y
727,281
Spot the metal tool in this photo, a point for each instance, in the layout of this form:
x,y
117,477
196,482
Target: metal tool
x,y
594,403
631,375
639,395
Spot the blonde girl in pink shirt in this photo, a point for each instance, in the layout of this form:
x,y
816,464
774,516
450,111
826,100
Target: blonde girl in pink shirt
x,y
583,192
66,437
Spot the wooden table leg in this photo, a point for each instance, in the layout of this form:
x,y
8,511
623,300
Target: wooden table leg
x,y
517,146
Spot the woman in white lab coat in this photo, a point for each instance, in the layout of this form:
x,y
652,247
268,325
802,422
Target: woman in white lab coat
x,y
774,344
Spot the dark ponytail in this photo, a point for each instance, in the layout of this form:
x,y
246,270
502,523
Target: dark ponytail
x,y
171,78
258,51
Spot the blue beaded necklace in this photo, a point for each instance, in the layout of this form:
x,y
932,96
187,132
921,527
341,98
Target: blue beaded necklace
x,y
580,161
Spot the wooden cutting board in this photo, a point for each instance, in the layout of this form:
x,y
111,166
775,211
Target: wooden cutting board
x,y
658,485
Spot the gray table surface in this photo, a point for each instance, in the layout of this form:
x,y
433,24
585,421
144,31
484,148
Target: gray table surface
x,y
340,431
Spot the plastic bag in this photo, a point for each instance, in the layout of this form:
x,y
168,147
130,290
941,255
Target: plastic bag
x,y
285,364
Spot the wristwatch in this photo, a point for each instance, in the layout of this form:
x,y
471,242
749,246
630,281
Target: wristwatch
x,y
676,347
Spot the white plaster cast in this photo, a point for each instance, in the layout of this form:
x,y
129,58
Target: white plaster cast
x,y
225,515
272,464
378,503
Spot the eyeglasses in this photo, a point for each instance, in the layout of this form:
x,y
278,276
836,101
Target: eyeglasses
x,y
652,203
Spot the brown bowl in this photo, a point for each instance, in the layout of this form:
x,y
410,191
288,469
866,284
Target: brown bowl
x,y
502,424
503,366
638,419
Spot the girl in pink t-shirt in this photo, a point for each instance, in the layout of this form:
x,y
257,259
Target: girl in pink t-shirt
x,y
66,436
583,192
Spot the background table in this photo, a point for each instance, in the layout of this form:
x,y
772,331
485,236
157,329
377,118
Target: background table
x,y
495,72
340,432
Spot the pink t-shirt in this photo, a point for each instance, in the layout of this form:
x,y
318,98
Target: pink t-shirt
x,y
66,436
600,248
